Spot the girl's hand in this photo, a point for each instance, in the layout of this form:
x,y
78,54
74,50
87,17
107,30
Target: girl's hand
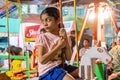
x,y
61,43
62,33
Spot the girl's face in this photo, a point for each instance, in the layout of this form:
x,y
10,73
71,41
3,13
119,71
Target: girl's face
x,y
49,22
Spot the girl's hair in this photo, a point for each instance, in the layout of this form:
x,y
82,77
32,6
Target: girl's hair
x,y
17,50
11,49
51,11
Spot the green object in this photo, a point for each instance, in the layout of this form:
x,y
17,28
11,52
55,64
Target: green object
x,y
12,57
75,63
26,58
27,65
3,69
100,71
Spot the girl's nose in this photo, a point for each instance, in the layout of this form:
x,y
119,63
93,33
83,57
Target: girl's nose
x,y
45,24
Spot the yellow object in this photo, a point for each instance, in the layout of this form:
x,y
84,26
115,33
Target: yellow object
x,y
10,74
16,65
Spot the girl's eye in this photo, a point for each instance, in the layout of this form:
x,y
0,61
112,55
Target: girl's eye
x,y
48,20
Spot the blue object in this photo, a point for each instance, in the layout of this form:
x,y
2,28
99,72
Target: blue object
x,y
56,73
10,10
1,60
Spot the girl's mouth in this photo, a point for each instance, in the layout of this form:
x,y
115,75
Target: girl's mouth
x,y
46,28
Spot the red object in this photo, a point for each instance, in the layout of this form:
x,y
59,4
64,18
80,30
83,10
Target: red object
x,y
31,32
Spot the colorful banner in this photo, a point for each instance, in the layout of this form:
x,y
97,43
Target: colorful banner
x,y
11,8
31,32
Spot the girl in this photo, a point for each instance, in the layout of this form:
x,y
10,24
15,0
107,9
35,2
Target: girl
x,y
49,49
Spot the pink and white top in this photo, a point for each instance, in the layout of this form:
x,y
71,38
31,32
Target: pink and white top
x,y
47,40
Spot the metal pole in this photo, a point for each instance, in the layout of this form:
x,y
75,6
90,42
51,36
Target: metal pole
x,y
8,31
76,31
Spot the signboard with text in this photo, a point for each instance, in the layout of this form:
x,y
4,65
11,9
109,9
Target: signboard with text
x,y
31,33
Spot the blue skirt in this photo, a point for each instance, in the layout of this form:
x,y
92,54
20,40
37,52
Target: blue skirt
x,y
56,73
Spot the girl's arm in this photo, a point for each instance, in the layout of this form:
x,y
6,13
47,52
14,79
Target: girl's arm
x,y
68,52
63,35
45,57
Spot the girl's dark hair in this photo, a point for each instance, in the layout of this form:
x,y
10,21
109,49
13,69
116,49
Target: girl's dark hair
x,y
11,49
51,11
17,50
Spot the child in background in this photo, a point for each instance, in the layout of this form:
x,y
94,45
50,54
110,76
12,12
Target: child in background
x,y
16,63
17,69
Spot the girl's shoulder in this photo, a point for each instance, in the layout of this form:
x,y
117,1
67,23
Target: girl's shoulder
x,y
48,35
43,35
40,36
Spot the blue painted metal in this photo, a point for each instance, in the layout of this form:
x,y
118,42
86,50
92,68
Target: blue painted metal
x,y
11,9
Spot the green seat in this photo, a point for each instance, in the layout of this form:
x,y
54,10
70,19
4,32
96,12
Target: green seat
x,y
100,71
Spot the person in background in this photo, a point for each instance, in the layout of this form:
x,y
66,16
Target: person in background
x,y
86,46
115,53
11,49
72,40
15,66
50,47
